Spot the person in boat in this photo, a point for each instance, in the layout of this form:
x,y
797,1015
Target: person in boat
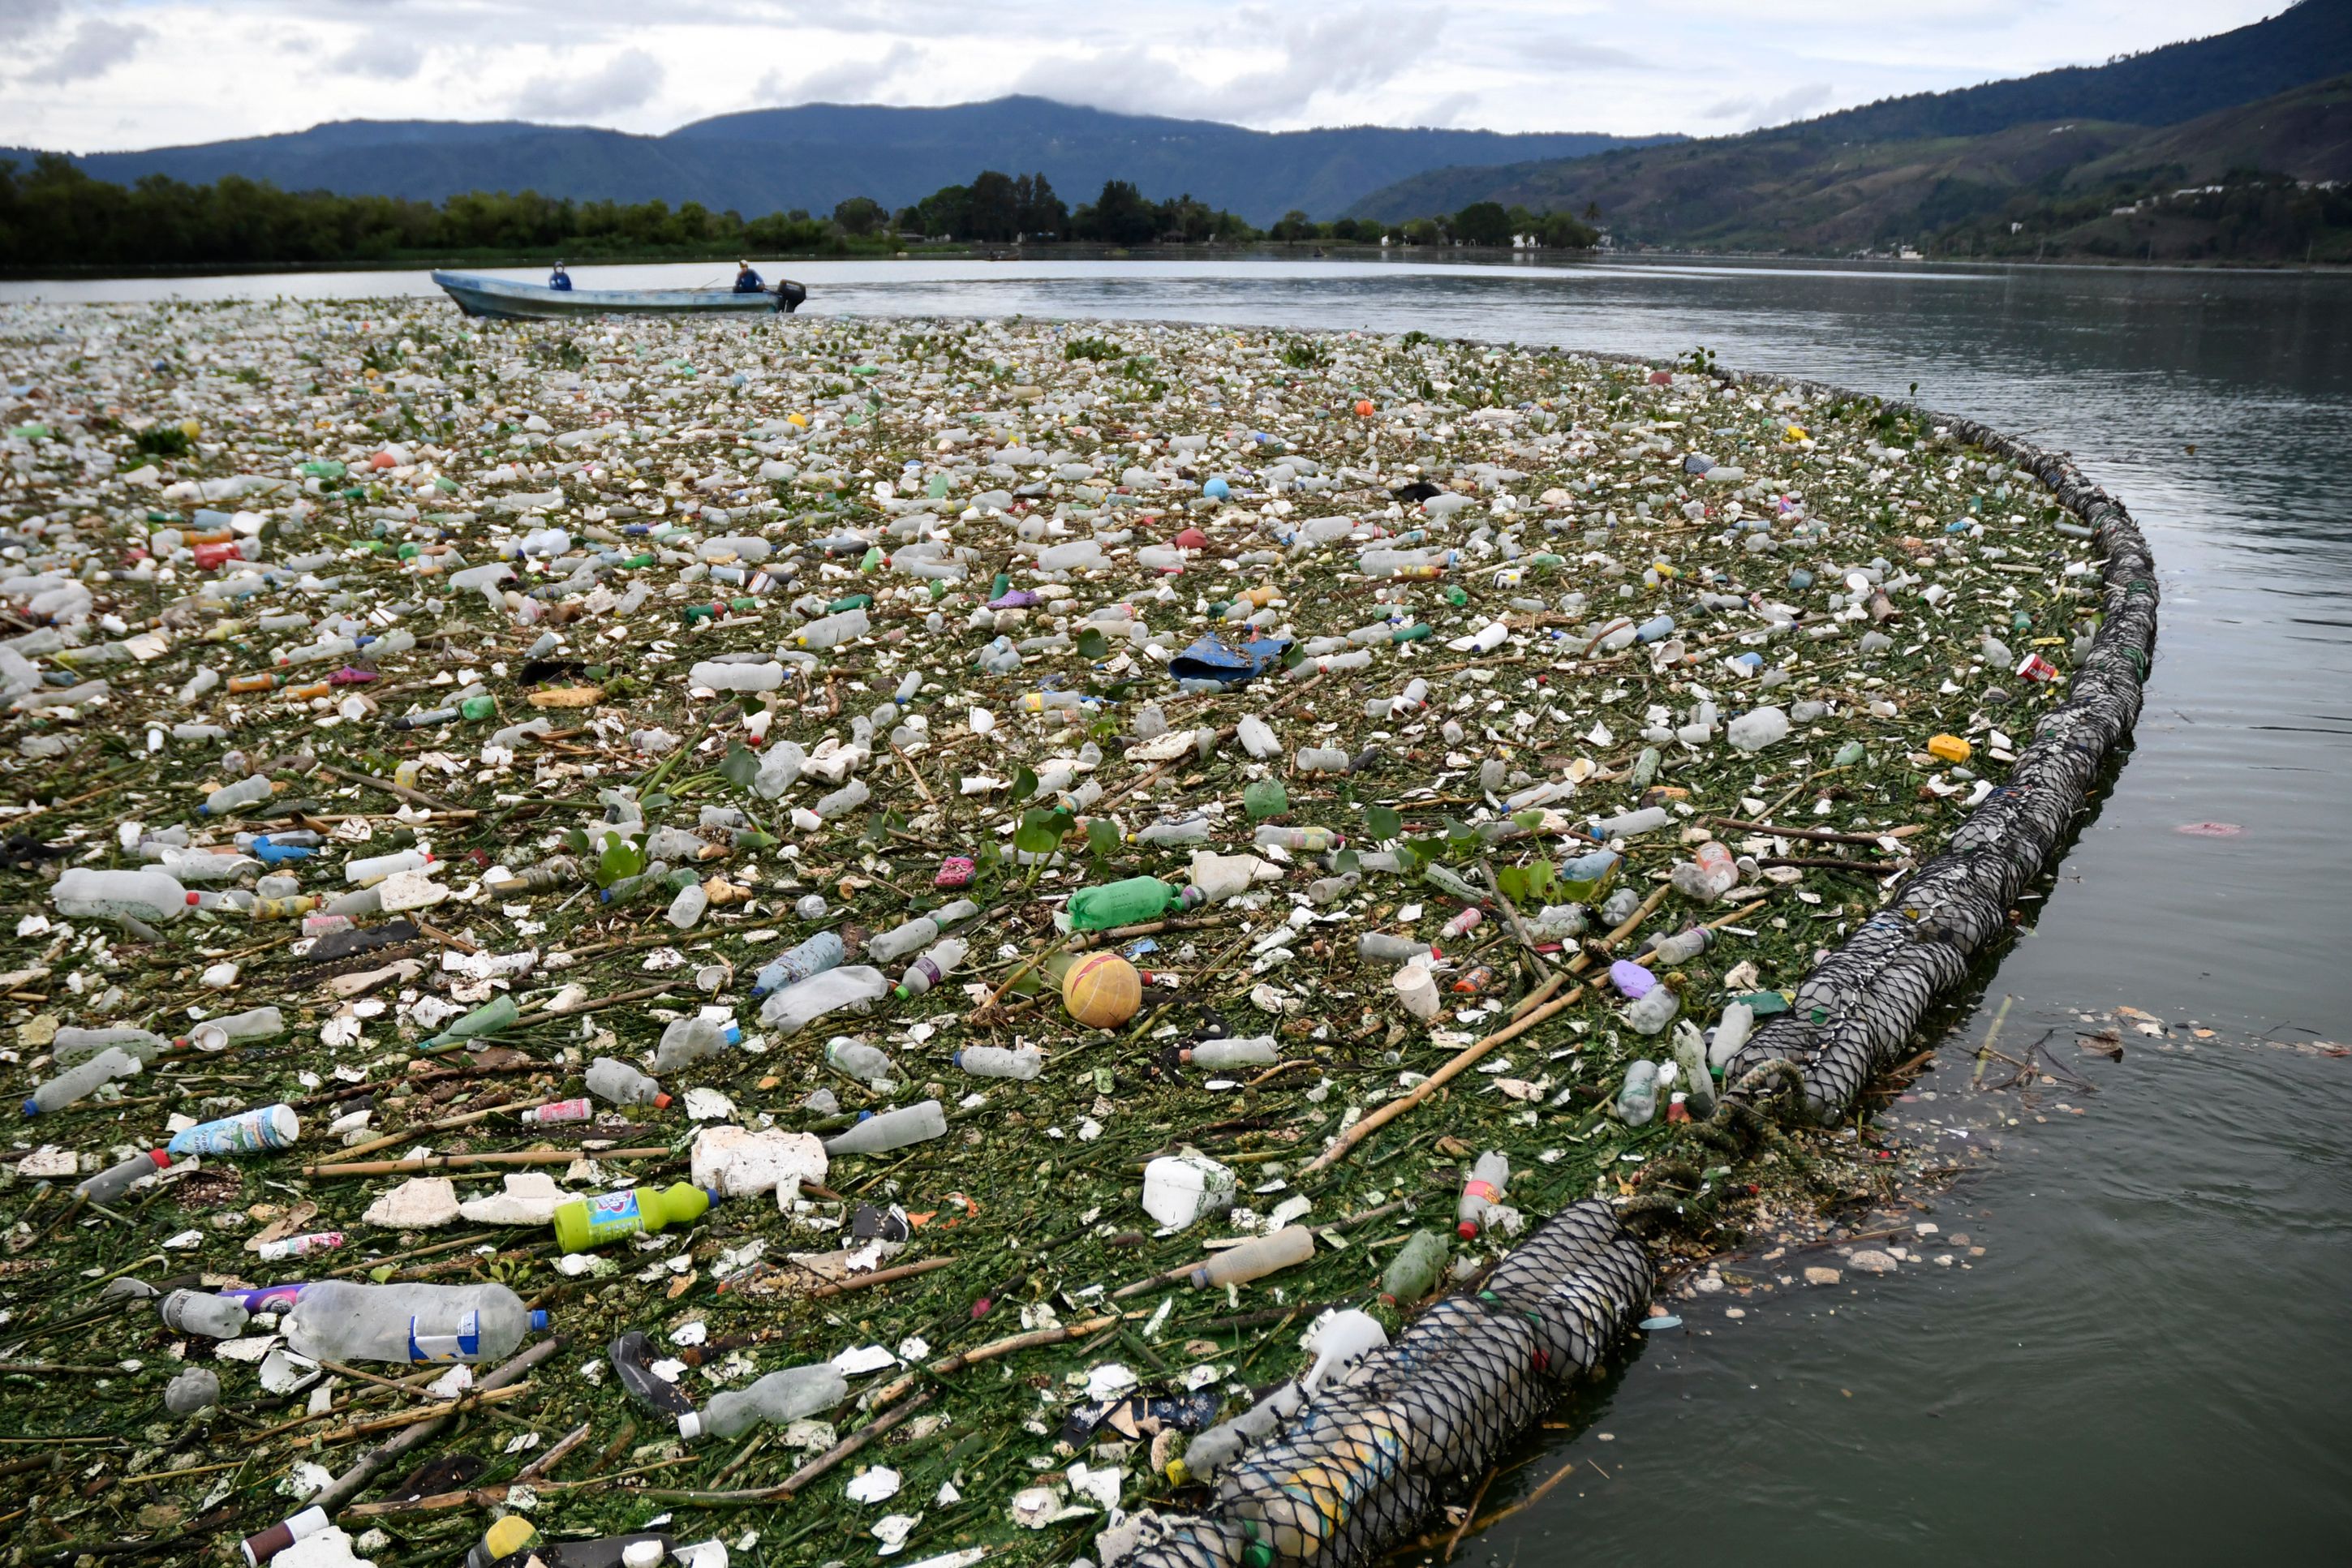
x,y
560,279
747,281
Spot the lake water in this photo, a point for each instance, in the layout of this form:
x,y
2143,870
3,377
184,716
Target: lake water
x,y
2148,1362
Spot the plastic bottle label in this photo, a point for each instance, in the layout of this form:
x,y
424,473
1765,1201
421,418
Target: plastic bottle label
x,y
465,1344
612,1214
1476,1188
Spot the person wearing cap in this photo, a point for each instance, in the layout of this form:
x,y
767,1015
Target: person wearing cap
x,y
747,281
560,280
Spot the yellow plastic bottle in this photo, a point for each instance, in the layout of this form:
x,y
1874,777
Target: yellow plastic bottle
x,y
586,1222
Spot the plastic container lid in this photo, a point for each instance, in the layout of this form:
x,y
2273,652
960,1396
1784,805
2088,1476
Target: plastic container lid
x,y
32,1107
538,1317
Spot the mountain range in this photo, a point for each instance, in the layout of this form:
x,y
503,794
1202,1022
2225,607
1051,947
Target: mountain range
x,y
2270,98
814,155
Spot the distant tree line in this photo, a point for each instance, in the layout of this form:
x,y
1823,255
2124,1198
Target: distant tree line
x,y
2247,215
55,215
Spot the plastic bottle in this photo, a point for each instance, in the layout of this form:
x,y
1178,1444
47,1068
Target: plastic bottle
x,y
287,1246
86,894
1286,1247
1757,729
726,678
341,1320
71,1086
1482,1191
1190,831
891,1130
1343,1339
1300,841
779,1400
1321,759
1258,739
1582,877
995,1061
259,1131
814,956
688,906
690,1039
868,1064
74,1046
1708,875
560,1110
932,968
1630,824
601,1217
1413,1274
1681,946
1128,903
1637,1102
619,1083
376,867
1259,1051
919,932
843,801
1381,947
229,797
795,1007
117,1179
831,631
220,1033
1690,1056
1731,1032
1650,1013
492,1016
202,1313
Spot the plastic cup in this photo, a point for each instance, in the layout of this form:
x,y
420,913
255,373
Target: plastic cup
x,y
1416,988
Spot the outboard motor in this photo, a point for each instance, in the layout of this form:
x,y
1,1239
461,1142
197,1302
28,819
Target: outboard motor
x,y
789,295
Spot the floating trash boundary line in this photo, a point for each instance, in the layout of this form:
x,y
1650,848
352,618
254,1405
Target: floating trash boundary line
x,y
1856,1010
1356,1470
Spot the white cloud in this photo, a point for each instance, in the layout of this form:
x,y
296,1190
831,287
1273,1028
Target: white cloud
x,y
626,80
383,59
21,19
95,47
848,81
1751,112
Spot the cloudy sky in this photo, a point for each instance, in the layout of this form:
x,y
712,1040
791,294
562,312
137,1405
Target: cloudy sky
x,y
92,75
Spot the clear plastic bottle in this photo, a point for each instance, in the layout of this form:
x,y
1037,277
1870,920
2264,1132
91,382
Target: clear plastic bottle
x,y
724,677
932,968
1731,1032
832,631
86,894
691,1039
1681,946
995,1061
1481,1192
1285,1248
1186,830
1629,824
1379,947
843,801
1259,1051
1413,1274
795,1007
74,1046
779,1400
1300,841
117,1179
77,1083
1637,1101
1321,759
376,867
891,1130
1708,875
229,797
202,1313
197,1389
341,1320
688,906
1690,1058
1258,738
236,1029
1757,729
618,1084
1653,1010
820,952
869,1064
919,932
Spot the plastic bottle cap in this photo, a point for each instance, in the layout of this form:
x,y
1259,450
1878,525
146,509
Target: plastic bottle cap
x,y
1467,1230
538,1317
661,1101
713,1192
192,898
32,1107
690,1425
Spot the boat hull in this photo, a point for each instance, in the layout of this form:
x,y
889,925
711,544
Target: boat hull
x,y
499,297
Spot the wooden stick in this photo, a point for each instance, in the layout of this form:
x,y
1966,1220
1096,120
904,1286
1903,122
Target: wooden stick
x,y
1468,1514
415,797
431,1412
343,1488
443,1125
463,1162
808,1472
998,1349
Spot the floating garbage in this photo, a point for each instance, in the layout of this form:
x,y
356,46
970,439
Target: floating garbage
x,y
1101,824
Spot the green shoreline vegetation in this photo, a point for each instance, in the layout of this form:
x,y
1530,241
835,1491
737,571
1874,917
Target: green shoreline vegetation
x,y
53,215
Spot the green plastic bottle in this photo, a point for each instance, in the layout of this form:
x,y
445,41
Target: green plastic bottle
x,y
1413,1274
586,1222
1138,898
488,1018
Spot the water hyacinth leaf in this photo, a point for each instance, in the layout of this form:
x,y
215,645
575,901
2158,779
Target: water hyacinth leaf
x,y
739,766
1383,823
1102,839
620,858
1024,784
1093,644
